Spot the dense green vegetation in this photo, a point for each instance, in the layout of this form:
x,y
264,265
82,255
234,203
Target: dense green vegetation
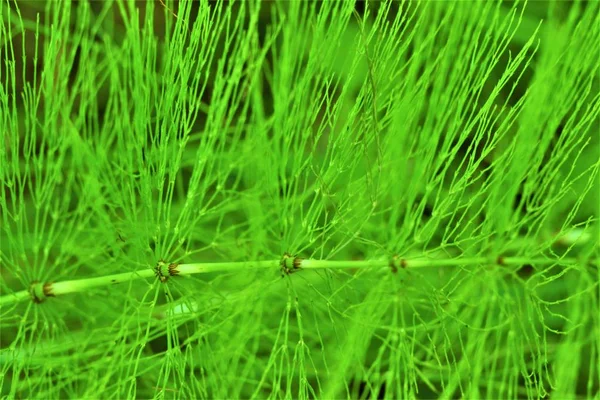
x,y
299,200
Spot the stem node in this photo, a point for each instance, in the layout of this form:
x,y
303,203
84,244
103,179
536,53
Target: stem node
x,y
396,263
290,264
173,271
158,271
40,291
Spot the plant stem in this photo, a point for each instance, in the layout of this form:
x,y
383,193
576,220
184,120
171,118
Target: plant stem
x,y
38,292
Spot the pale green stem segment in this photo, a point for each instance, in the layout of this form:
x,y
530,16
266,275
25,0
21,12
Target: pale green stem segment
x,y
323,264
189,269
38,292
80,285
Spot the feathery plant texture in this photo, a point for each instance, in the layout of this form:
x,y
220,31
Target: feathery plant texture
x,y
299,200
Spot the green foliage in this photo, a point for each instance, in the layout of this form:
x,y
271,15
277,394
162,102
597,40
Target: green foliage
x,y
457,140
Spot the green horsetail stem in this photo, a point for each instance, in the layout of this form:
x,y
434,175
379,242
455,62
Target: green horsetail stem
x,y
40,291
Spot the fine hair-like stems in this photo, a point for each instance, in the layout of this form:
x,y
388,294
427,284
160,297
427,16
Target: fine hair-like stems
x,y
299,199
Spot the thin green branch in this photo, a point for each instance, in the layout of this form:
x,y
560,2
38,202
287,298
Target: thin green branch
x,y
39,291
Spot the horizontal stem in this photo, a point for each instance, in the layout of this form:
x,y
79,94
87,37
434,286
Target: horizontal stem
x,y
80,285
163,271
199,268
321,264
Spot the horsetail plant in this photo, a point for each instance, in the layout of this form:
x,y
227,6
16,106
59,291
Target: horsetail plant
x,y
299,200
